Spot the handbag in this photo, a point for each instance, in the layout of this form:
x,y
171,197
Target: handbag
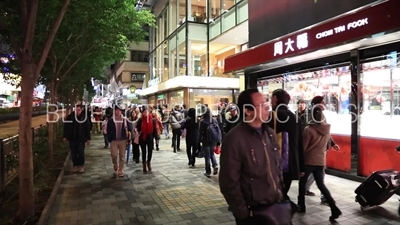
x,y
276,214
136,139
217,150
279,213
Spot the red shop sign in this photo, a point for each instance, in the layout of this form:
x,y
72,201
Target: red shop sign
x,y
368,21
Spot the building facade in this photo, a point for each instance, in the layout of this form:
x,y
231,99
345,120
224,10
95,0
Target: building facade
x,y
350,55
131,73
188,48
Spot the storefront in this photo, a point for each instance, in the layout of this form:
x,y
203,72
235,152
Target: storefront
x,y
176,98
352,60
213,98
152,100
162,99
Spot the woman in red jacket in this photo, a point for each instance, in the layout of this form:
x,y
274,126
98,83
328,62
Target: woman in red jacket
x,y
147,129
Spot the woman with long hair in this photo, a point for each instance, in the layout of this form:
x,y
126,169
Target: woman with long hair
x,y
159,127
134,117
146,128
315,138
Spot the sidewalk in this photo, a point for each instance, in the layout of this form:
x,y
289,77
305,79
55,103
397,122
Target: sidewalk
x,y
11,128
175,194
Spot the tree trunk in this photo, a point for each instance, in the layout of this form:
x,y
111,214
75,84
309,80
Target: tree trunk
x,y
50,124
25,157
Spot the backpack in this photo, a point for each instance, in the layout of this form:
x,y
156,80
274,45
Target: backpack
x,y
213,133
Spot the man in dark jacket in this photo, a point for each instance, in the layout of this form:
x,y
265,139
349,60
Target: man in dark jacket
x,y
250,174
192,134
77,133
286,122
207,145
233,119
302,113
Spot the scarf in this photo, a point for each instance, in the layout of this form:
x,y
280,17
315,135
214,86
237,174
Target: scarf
x,y
147,126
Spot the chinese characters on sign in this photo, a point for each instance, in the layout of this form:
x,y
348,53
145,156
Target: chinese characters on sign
x,y
137,77
289,45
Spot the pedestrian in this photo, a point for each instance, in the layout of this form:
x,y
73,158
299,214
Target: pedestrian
x,y
77,134
118,134
250,177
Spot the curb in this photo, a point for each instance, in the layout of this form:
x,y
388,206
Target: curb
x,y
44,217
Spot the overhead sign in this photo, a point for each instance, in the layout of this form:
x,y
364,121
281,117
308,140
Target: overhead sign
x,y
138,77
365,22
153,82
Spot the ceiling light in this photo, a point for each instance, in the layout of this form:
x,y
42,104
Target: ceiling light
x,y
236,38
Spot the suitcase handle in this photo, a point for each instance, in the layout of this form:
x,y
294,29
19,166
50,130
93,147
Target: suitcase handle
x,y
380,186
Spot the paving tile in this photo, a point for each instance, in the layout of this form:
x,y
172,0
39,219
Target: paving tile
x,y
175,194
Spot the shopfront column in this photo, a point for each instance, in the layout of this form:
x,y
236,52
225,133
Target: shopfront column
x,y
355,70
250,80
189,10
173,16
242,80
189,59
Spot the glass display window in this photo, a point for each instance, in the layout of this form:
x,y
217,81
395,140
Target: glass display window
x,y
380,96
176,98
152,100
331,82
211,98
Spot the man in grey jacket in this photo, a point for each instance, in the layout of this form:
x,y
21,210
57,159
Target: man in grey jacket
x,y
176,120
250,175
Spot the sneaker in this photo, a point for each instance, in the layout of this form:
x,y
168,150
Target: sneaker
x,y
75,169
215,172
120,173
207,175
310,193
81,169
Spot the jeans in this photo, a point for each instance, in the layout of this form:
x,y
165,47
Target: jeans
x,y
105,140
310,181
191,149
176,138
77,149
319,174
208,152
287,181
166,129
135,152
147,150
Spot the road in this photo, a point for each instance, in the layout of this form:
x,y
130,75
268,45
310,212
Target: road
x,y
11,128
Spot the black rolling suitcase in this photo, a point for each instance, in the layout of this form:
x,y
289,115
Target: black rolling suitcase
x,y
377,188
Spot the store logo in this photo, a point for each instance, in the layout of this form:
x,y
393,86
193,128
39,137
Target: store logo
x,y
301,42
342,28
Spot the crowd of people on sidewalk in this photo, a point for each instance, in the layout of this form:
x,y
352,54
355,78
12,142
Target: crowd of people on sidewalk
x,y
262,150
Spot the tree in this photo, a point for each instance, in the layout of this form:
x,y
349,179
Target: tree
x,y
92,35
19,26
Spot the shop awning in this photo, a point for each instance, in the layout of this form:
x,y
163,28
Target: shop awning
x,y
373,20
